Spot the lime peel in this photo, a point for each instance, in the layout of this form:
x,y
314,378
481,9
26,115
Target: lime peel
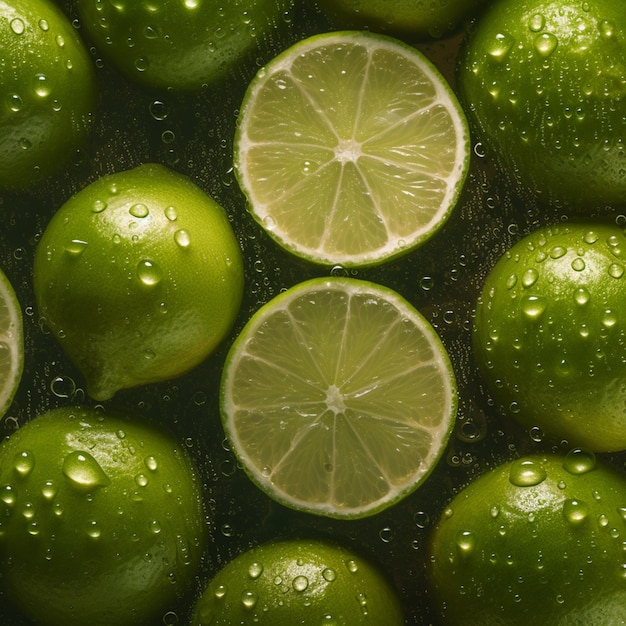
x,y
338,397
11,344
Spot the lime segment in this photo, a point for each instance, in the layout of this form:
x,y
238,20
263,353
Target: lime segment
x,y
11,344
351,148
338,397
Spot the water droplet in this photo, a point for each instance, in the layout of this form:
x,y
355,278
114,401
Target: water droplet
x,y
501,46
155,527
579,461
42,88
352,566
465,542
24,463
49,490
141,480
170,214
511,281
616,270
139,210
17,25
533,307
578,264
609,319
329,575
526,473
76,247
158,110
84,471
93,530
591,237
300,583
536,22
220,592
249,600
530,277
582,296
255,570
182,239
546,44
149,273
557,252
98,206
606,29
575,511
8,494
15,102
151,463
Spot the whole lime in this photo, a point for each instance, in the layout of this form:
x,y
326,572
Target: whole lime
x,y
549,336
139,276
308,582
181,45
101,519
421,19
536,541
48,91
543,82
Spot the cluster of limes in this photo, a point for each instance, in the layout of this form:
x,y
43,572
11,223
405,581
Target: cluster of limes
x,y
337,396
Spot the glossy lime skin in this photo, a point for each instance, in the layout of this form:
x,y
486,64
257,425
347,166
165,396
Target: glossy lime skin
x,y
549,333
180,45
47,91
419,19
543,82
533,542
140,277
101,519
308,582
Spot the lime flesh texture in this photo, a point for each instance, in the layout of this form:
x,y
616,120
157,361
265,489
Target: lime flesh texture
x,y
140,277
102,520
351,148
543,82
549,337
414,19
308,582
536,541
181,46
338,397
11,343
48,91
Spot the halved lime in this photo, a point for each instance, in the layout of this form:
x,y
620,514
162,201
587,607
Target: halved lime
x,y
351,148
11,344
338,397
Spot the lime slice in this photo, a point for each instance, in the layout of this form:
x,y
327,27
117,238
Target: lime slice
x,y
11,344
351,148
338,397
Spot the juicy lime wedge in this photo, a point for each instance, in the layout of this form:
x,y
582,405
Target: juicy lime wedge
x,y
338,397
11,344
351,148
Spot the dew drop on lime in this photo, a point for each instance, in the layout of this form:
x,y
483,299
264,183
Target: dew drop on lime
x,y
76,247
352,566
501,46
182,239
149,273
575,511
24,463
255,570
526,473
578,264
582,296
151,463
139,210
533,307
465,542
616,270
300,583
49,490
249,600
8,494
536,22
83,471
579,461
546,44
530,277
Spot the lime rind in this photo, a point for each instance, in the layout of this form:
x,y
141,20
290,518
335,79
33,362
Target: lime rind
x,y
338,398
11,344
351,166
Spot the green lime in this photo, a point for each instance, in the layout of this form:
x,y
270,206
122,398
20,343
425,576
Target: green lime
x,y
140,277
536,541
184,45
101,519
351,148
548,333
11,343
308,582
544,84
48,91
421,19
338,397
